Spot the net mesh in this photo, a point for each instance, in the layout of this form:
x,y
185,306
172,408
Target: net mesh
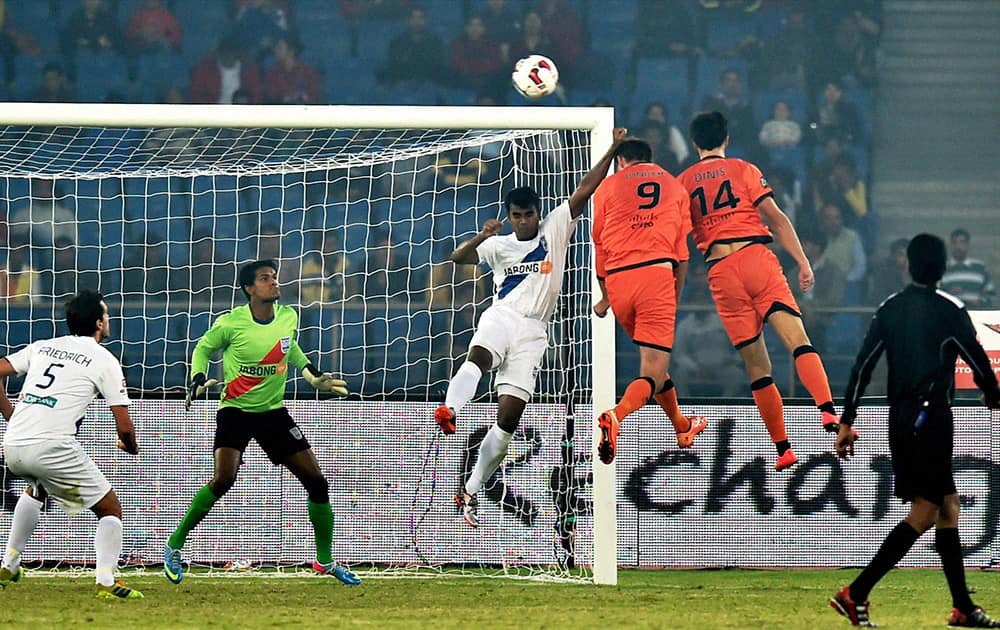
x,y
361,223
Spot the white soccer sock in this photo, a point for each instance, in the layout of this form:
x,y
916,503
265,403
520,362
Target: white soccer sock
x,y
26,513
463,386
491,453
108,544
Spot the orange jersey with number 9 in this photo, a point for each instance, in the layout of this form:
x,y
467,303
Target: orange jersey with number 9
x,y
724,194
640,217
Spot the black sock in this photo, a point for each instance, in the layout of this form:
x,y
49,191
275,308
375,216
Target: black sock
x,y
782,446
949,547
828,407
893,548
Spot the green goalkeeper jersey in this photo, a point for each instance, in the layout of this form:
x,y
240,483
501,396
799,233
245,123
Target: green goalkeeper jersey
x,y
255,356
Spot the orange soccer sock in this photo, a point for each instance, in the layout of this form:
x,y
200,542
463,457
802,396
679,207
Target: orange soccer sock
x,y
667,398
772,411
635,397
809,367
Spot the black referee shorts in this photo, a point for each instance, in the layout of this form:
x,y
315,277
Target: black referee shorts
x,y
275,432
921,457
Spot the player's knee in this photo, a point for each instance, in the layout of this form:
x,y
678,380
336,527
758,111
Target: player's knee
x,y
108,506
317,489
221,483
481,357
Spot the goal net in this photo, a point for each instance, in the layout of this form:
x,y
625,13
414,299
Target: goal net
x,y
361,219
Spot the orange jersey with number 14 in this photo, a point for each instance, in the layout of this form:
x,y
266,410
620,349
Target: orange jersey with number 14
x,y
724,194
640,218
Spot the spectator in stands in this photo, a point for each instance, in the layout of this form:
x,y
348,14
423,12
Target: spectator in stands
x,y
92,28
54,87
501,22
415,54
827,291
844,253
781,131
13,42
290,81
565,30
21,278
153,28
321,278
785,55
667,30
476,59
656,137
890,275
213,271
222,73
848,189
967,278
148,273
702,354
260,23
731,102
530,39
657,114
849,52
43,220
837,117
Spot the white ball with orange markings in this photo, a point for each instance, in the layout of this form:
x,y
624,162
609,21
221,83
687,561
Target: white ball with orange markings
x,y
535,76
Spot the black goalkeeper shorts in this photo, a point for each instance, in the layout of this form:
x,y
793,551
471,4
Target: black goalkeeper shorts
x,y
921,458
275,432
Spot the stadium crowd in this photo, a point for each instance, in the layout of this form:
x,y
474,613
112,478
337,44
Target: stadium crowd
x,y
795,79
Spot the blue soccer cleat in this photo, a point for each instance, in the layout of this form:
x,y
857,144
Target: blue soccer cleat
x,y
173,566
338,571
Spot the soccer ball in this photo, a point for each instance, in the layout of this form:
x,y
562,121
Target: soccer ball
x,y
535,76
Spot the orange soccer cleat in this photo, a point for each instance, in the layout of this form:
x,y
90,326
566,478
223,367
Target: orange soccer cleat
x,y
445,418
609,425
786,459
696,426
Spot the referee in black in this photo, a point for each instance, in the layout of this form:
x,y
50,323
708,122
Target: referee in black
x,y
922,330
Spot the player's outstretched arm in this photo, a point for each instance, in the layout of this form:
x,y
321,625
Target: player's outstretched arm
x,y
324,381
789,239
6,408
127,440
197,388
465,254
594,177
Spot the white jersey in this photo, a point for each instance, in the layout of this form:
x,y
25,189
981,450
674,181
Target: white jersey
x,y
63,377
528,275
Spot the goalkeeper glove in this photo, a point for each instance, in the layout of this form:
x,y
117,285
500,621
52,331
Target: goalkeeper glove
x,y
324,381
197,388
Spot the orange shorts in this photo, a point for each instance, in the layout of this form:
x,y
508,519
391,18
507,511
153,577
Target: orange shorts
x,y
644,304
749,285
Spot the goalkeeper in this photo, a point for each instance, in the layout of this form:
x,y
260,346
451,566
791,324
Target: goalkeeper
x,y
258,343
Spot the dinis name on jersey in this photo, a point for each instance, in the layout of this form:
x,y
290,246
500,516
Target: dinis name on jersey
x,y
713,174
263,370
538,266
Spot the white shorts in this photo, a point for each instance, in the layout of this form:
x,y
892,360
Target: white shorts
x,y
517,344
61,469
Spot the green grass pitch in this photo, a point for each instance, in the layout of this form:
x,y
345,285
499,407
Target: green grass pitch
x,y
643,599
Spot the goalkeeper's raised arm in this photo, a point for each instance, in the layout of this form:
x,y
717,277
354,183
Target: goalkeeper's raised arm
x,y
258,344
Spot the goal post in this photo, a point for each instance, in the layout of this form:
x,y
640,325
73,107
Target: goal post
x,y
31,130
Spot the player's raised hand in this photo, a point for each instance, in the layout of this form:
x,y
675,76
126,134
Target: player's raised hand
x,y
601,308
324,381
806,277
845,441
619,135
199,385
491,228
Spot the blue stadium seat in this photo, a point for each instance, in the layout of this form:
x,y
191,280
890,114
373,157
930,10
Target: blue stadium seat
x,y
158,72
726,31
203,23
792,158
664,80
28,73
98,75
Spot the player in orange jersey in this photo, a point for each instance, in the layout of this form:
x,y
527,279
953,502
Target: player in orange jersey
x,y
727,198
640,234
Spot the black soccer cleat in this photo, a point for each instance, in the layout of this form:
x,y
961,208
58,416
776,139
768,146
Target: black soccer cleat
x,y
975,619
